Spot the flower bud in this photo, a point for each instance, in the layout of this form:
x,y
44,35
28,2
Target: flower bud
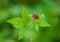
x,y
35,16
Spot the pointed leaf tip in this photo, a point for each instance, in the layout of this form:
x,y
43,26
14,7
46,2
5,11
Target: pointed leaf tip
x,y
25,16
16,22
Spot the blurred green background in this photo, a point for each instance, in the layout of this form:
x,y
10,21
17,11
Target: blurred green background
x,y
12,8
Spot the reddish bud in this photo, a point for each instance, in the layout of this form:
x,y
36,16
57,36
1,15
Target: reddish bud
x,y
35,16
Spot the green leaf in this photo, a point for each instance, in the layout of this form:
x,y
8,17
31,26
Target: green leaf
x,y
31,24
22,32
25,16
37,26
16,22
43,23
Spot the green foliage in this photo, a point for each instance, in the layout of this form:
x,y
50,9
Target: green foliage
x,y
46,32
25,16
43,23
37,26
19,23
16,22
23,24
22,32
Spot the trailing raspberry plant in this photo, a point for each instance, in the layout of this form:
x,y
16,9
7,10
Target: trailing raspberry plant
x,y
27,22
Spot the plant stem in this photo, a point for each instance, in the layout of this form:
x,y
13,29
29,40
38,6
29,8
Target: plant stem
x,y
30,35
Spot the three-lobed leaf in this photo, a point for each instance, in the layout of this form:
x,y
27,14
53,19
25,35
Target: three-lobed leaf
x,y
20,22
41,22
